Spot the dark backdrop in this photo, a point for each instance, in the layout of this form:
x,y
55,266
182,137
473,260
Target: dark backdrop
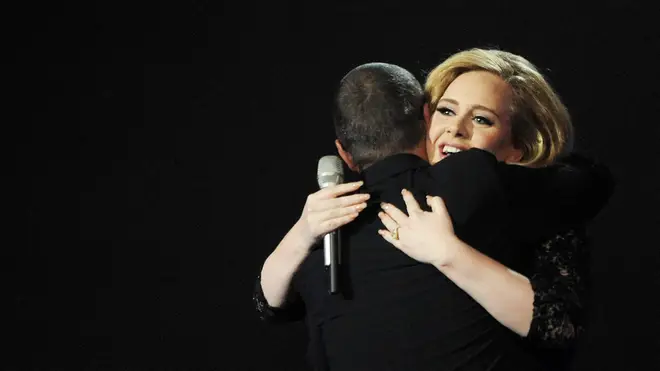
x,y
161,151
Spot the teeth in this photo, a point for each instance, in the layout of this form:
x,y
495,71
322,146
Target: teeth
x,y
450,149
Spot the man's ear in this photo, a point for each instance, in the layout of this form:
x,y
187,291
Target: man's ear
x,y
427,114
348,159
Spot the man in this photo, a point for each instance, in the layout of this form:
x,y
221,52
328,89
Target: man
x,y
393,312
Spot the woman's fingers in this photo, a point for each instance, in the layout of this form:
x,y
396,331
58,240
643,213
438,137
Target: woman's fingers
x,y
387,235
437,204
393,212
411,204
339,212
388,222
334,223
338,190
339,206
324,211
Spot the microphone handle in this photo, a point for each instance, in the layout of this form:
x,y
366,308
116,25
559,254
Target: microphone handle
x,y
331,252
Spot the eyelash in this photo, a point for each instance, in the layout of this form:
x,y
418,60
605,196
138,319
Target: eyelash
x,y
479,119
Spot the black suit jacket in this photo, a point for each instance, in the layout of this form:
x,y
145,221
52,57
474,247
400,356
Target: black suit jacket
x,y
395,313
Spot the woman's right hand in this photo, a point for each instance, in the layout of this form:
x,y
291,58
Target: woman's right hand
x,y
325,211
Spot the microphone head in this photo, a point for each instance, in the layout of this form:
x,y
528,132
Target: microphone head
x,y
330,171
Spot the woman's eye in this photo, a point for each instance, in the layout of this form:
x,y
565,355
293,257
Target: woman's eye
x,y
445,111
483,121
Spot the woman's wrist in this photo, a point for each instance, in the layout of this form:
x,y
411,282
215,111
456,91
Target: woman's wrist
x,y
299,240
454,252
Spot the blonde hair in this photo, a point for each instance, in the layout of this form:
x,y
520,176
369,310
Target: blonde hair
x,y
541,125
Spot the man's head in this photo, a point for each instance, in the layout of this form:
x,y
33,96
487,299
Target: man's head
x,y
378,113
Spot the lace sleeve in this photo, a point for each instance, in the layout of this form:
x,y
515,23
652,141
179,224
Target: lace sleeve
x,y
559,288
293,311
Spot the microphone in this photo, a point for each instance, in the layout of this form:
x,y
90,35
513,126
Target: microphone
x,y
331,172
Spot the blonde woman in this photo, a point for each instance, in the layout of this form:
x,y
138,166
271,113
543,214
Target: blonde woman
x,y
498,101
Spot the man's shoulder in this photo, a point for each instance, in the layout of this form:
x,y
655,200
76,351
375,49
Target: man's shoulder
x,y
473,165
471,160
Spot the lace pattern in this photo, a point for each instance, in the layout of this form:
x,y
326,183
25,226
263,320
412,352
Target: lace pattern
x,y
559,287
293,311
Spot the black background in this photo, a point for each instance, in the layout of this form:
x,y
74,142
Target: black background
x,y
162,150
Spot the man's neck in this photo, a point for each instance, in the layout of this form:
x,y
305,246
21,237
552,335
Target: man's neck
x,y
419,151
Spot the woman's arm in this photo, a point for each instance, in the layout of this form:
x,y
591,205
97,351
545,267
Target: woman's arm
x,y
546,308
324,212
272,297
507,295
282,263
293,310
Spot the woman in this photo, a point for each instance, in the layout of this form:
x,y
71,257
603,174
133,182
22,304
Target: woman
x,y
519,119
499,102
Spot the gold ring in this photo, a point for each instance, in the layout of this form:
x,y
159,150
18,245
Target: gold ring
x,y
395,233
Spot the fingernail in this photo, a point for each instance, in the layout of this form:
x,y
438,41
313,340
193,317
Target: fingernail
x,y
358,183
365,196
403,191
383,205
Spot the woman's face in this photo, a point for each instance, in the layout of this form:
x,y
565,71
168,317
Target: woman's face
x,y
474,111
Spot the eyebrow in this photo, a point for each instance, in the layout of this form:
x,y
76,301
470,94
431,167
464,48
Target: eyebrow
x,y
453,101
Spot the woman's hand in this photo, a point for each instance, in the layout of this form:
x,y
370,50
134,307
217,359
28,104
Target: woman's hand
x,y
325,211
427,237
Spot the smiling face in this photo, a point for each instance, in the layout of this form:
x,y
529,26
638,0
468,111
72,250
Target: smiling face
x,y
473,112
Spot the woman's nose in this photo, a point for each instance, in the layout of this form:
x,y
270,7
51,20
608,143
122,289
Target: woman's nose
x,y
457,128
